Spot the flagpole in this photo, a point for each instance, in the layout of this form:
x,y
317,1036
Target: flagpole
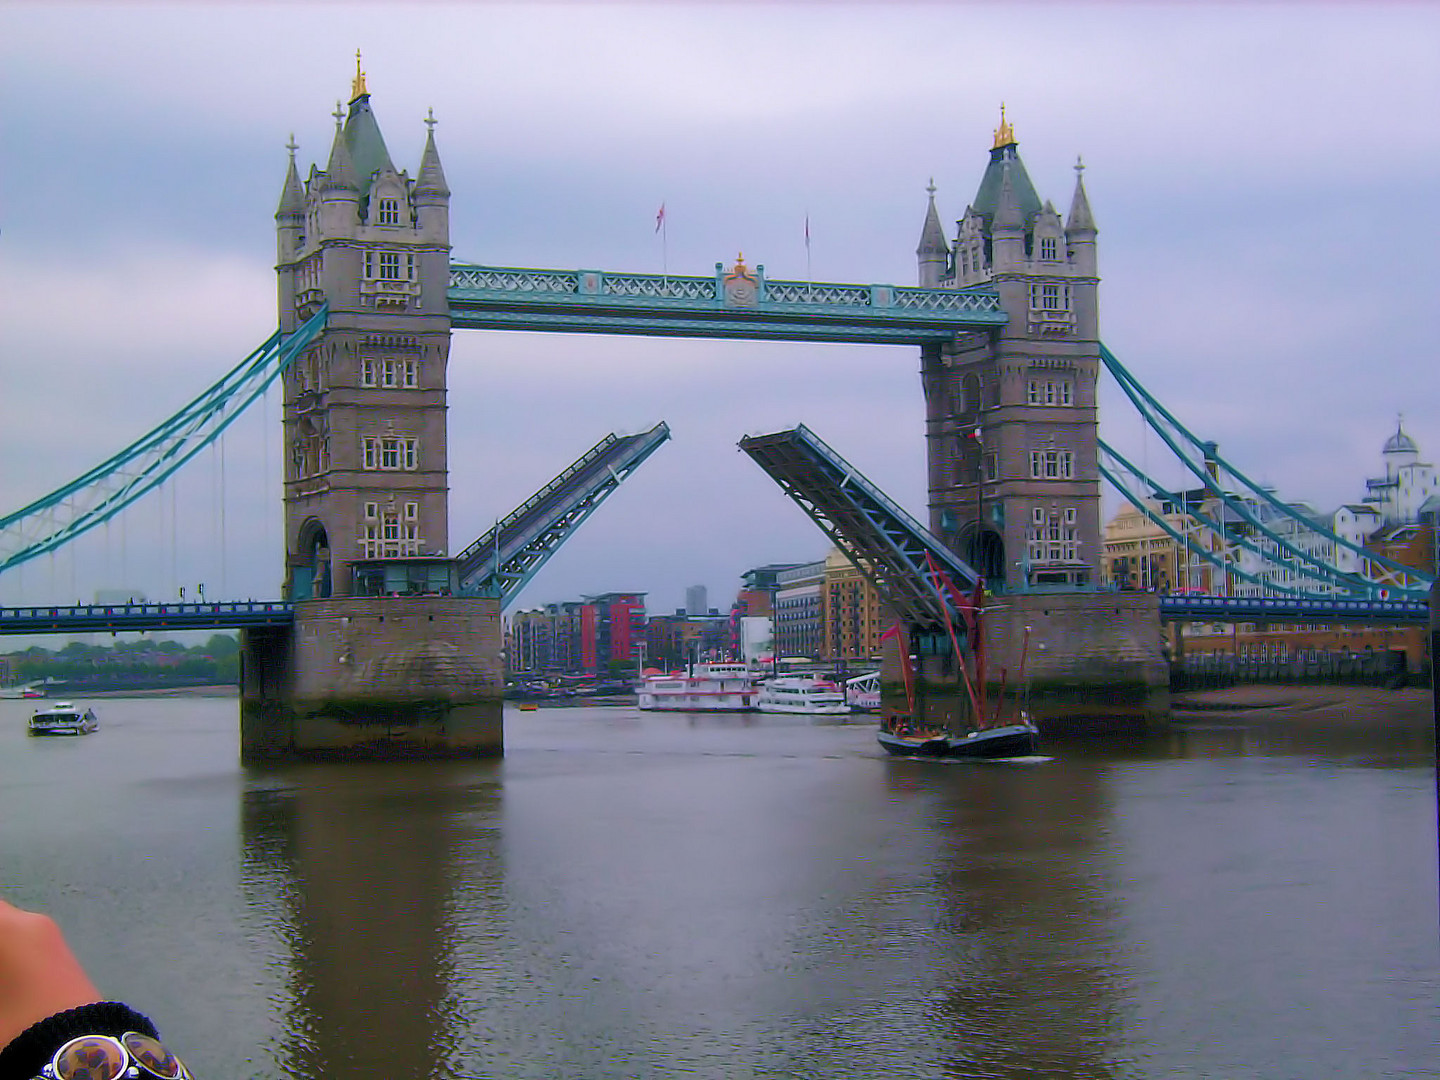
x,y
809,282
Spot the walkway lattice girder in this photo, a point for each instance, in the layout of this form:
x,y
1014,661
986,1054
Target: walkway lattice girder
x,y
605,302
885,543
502,561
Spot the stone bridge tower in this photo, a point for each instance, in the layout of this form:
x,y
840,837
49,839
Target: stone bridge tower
x,y
365,464
1011,416
384,658
1011,433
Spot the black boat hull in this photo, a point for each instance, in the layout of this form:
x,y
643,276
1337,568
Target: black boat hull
x,y
1012,740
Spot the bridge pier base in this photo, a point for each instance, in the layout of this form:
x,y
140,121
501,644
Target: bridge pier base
x,y
375,678
1092,666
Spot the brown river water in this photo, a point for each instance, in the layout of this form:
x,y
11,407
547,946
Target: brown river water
x,y
626,894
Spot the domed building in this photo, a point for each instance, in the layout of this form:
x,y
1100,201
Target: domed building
x,y
1408,483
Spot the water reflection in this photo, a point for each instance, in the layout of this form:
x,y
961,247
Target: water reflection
x,y
1024,917
656,897
360,868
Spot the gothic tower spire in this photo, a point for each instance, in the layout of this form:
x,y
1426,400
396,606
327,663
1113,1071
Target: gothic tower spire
x,y
933,252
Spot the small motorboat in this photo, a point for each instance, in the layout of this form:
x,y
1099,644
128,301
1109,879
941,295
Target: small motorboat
x,y
63,718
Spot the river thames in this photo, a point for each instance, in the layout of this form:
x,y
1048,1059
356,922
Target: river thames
x,y
629,894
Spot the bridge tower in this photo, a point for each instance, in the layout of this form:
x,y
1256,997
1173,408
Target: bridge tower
x,y
1012,428
385,658
365,464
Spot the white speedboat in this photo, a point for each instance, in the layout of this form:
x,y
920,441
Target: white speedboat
x,y
802,694
63,718
705,688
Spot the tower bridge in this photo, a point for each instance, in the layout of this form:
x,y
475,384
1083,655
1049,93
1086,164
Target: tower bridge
x,y
387,644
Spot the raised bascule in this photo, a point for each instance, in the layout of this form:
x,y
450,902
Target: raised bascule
x,y
386,644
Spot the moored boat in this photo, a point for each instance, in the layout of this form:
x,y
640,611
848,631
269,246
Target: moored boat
x,y
900,737
63,718
705,688
863,692
802,694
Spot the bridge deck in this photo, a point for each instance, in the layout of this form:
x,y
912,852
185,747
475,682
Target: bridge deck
x,y
507,556
882,540
604,302
1283,609
83,618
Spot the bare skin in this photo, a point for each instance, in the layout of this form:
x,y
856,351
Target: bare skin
x,y
39,975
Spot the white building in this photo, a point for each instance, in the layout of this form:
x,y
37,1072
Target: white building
x,y
1408,482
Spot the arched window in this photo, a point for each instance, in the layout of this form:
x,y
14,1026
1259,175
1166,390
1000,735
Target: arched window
x,y
969,394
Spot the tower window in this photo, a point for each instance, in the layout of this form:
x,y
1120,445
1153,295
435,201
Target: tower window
x,y
1052,465
1050,297
389,212
1047,248
389,453
1050,392
1053,537
390,266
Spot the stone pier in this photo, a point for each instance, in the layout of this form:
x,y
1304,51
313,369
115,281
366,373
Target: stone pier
x,y
375,678
1092,666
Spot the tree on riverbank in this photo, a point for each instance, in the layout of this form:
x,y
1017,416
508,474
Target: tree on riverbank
x,y
131,665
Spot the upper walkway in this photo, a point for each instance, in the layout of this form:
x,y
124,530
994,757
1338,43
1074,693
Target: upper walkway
x,y
737,304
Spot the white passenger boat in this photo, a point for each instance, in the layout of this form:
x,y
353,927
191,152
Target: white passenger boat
x,y
63,718
863,692
802,694
705,688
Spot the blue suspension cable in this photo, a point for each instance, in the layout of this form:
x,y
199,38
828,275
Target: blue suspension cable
x,y
105,490
1149,407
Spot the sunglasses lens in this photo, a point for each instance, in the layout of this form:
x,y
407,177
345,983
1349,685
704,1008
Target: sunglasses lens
x,y
90,1057
151,1056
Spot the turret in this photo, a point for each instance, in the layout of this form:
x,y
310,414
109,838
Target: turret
x,y
933,254
1080,227
1007,230
290,214
338,189
432,193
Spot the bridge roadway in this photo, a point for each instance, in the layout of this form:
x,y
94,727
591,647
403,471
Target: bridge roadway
x,y
235,615
89,618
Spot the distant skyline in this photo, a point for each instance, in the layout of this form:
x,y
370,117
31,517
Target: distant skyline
x,y
1263,179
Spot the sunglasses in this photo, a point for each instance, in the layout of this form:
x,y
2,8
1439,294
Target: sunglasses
x,y
101,1057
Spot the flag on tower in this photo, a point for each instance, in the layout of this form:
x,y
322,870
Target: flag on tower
x,y
807,232
660,218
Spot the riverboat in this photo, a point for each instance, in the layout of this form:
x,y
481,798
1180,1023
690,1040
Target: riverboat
x,y
63,718
704,688
863,692
904,739
802,694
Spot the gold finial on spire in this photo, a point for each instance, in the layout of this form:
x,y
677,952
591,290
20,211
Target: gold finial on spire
x,y
357,89
1004,134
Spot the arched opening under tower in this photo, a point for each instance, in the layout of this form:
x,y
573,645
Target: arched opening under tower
x,y
985,552
310,569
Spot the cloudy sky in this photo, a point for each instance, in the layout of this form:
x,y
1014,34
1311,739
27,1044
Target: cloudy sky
x,y
1264,180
